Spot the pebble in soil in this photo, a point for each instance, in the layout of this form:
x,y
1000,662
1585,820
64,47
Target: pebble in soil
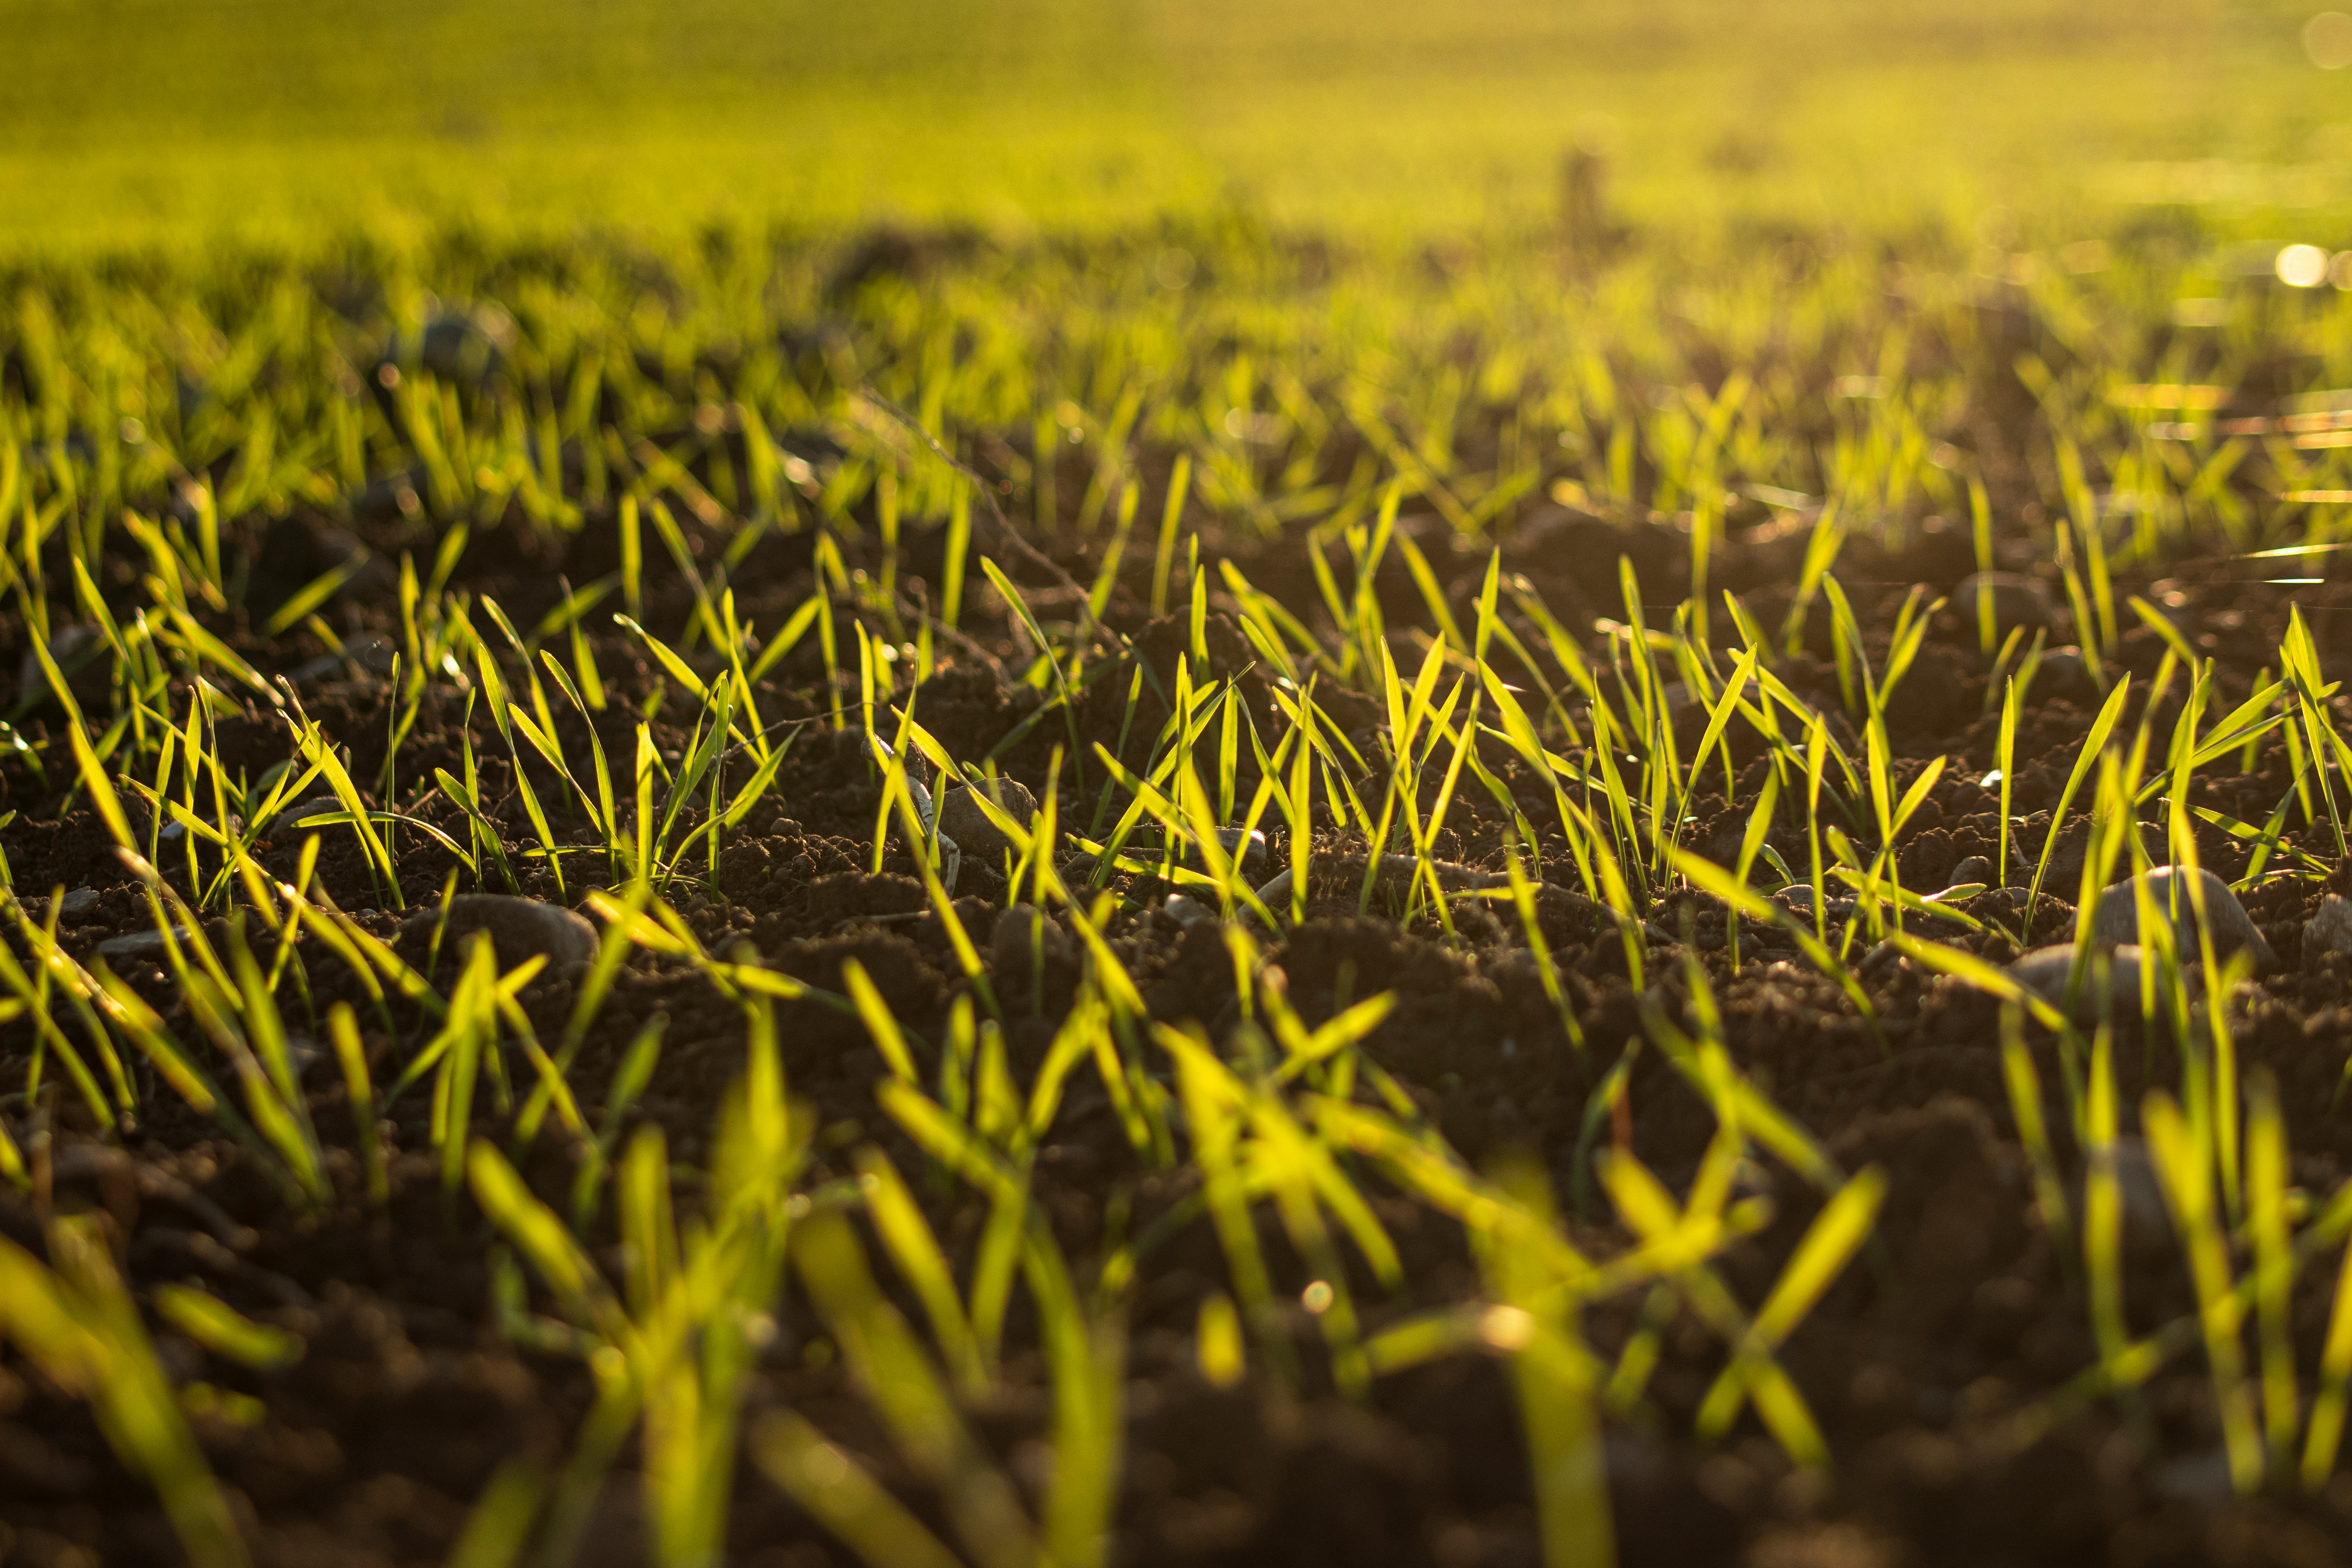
x,y
2168,889
519,929
962,818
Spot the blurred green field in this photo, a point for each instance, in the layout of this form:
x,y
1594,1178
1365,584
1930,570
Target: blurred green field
x,y
143,122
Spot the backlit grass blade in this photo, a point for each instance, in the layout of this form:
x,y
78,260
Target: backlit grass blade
x,y
222,1330
889,1038
889,1364
499,1527
2325,1435
78,1325
1835,1234
1556,1381
2273,1265
2186,1170
906,1235
2085,760
843,1496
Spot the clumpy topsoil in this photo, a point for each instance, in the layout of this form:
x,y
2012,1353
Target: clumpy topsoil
x,y
1961,1314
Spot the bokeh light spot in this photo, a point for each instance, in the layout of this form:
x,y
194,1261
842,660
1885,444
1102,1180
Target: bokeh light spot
x,y
2302,266
2327,39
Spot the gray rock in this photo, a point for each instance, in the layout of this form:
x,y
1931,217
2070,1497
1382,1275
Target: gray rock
x,y
961,819
1024,936
2066,672
1187,911
2044,972
77,904
174,830
1883,959
1975,868
2117,920
1797,900
518,927
1247,844
2330,931
461,343
392,498
467,344
139,943
2017,601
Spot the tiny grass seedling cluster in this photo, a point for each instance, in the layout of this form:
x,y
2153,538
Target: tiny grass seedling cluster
x,y
612,752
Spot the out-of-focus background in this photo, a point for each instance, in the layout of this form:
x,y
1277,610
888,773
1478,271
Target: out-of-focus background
x,y
146,122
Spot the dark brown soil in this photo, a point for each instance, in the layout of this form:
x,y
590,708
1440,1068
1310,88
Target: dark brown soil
x,y
1959,1316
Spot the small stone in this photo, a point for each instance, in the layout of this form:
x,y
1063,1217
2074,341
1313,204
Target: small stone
x,y
962,820
2118,915
1975,868
462,344
77,904
1797,900
2044,969
1246,845
1881,959
2017,600
175,830
139,943
1025,934
2330,931
2066,672
390,499
1187,911
520,929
